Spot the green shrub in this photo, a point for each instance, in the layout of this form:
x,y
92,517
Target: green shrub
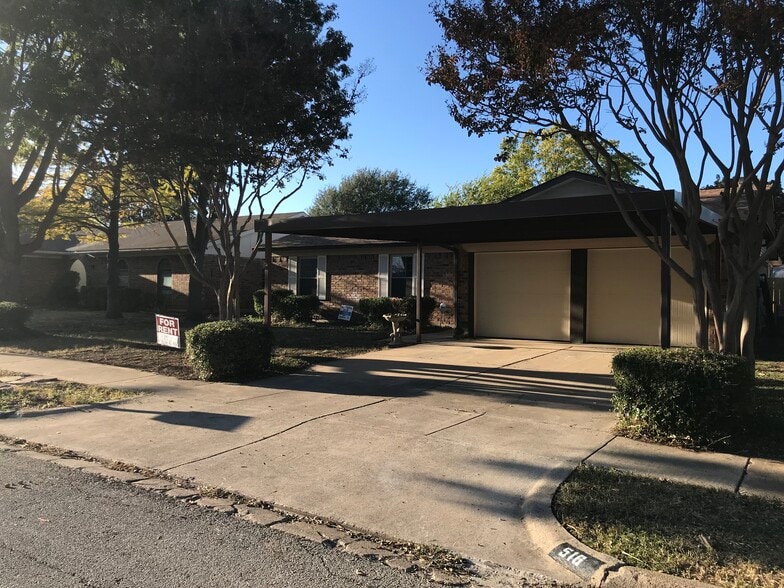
x,y
286,307
64,291
277,295
691,396
407,305
229,350
374,309
298,309
13,317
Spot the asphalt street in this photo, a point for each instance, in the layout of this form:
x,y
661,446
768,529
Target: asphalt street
x,y
62,527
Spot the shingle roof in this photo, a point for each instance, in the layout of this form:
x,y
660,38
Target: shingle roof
x,y
154,237
316,242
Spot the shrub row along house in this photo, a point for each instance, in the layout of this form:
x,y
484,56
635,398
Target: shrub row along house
x,y
557,262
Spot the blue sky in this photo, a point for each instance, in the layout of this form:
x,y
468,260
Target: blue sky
x,y
403,123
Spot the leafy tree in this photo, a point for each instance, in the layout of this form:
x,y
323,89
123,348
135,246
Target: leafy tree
x,y
528,161
370,190
269,108
55,67
698,80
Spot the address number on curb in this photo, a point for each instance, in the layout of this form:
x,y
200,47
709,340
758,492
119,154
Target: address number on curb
x,y
579,562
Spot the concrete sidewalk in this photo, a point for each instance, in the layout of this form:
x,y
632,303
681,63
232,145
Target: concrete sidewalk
x,y
448,443
735,473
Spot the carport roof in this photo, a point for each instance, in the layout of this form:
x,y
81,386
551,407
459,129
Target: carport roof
x,y
577,217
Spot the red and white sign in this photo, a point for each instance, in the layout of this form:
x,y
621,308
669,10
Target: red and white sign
x,y
167,329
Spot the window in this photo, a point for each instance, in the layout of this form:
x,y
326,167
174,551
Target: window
x,y
401,276
164,283
123,274
308,276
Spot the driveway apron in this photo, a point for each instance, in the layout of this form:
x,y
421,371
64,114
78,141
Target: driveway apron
x,y
435,443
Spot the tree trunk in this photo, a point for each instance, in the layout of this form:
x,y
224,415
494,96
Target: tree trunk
x,y
11,279
11,254
113,295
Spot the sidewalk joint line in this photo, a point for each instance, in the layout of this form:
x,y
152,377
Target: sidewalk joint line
x,y
476,416
598,449
286,430
743,475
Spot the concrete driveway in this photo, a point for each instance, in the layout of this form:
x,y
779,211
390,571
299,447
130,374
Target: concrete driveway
x,y
436,443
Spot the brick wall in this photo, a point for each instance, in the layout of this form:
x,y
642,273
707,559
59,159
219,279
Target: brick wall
x,y
355,276
440,284
351,278
38,276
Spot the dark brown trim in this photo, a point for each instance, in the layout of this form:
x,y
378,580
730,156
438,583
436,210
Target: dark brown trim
x,y
471,274
420,263
666,285
559,218
267,278
578,296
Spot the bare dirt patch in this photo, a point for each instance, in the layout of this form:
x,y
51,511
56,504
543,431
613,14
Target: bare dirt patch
x,y
130,342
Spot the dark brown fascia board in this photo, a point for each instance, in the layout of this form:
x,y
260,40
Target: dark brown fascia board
x,y
557,207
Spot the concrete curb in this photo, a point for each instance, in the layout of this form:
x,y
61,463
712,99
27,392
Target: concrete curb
x,y
386,550
580,562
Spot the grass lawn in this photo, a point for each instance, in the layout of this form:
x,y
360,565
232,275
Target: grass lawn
x,y
130,342
50,394
709,535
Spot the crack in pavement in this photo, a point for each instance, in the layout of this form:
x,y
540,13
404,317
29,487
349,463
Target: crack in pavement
x,y
286,430
323,416
476,416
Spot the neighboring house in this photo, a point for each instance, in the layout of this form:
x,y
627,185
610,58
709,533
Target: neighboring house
x,y
556,262
42,267
150,264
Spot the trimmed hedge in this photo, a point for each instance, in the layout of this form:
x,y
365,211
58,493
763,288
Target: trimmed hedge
x,y
229,350
374,309
13,317
286,307
64,291
692,396
408,306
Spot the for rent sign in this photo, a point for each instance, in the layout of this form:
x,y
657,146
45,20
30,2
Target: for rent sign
x,y
167,329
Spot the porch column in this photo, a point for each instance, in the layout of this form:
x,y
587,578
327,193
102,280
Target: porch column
x,y
418,290
666,282
267,276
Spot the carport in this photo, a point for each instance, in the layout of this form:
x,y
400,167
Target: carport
x,y
568,272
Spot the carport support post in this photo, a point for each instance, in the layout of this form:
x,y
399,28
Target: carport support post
x,y
666,283
418,290
267,276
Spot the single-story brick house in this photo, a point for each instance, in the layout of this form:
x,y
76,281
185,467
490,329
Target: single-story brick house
x,y
150,264
557,262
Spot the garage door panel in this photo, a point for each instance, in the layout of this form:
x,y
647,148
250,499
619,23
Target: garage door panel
x,y
523,294
624,296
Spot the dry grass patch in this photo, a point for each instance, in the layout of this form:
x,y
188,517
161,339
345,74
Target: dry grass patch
x,y
51,394
710,535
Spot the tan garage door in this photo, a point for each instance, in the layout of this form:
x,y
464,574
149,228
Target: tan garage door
x,y
522,295
624,298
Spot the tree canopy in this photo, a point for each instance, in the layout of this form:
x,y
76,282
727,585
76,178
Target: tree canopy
x,y
698,83
57,63
247,98
527,161
371,190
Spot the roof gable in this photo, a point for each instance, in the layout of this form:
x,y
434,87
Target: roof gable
x,y
569,185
